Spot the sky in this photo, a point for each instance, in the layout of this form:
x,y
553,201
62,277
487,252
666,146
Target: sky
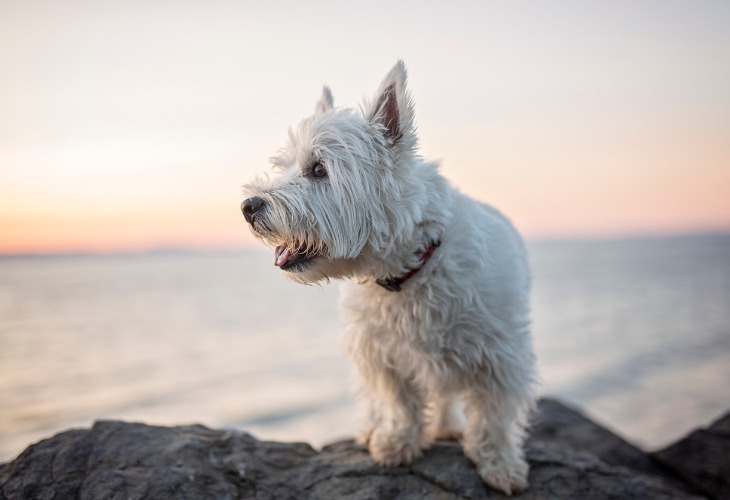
x,y
130,126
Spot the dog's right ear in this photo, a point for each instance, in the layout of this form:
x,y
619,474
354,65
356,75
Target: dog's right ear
x,y
392,108
325,102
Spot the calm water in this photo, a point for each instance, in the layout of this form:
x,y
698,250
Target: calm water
x,y
636,332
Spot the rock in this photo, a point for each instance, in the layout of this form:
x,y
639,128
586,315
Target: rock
x,y
702,458
556,424
129,460
566,430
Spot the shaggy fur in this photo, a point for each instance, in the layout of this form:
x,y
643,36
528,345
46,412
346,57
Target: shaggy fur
x,y
351,198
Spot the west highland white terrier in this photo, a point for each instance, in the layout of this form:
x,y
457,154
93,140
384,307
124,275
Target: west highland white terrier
x,y
436,303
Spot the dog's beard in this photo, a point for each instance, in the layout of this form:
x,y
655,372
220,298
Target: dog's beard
x,y
291,253
302,251
308,261
301,259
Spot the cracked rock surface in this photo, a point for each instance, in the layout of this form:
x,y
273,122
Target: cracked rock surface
x,y
570,457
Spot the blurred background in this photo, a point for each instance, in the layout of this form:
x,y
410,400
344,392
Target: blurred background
x,y
130,287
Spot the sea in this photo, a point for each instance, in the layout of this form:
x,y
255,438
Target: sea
x,y
635,332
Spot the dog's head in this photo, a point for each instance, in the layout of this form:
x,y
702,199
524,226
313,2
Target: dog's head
x,y
342,189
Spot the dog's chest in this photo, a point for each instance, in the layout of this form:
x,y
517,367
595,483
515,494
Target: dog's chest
x,y
404,325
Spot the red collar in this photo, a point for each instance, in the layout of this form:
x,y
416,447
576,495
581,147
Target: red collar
x,y
394,284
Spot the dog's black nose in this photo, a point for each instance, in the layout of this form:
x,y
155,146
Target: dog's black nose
x,y
250,206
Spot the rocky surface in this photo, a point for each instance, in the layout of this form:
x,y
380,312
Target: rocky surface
x,y
702,459
570,457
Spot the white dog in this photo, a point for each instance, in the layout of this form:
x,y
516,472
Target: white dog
x,y
436,307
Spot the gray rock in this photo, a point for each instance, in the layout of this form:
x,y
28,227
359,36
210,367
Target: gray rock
x,y
567,431
130,461
558,425
702,459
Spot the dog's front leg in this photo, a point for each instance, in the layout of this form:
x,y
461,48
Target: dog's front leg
x,y
493,439
396,408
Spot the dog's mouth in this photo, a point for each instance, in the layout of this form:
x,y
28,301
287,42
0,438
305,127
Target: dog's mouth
x,y
293,258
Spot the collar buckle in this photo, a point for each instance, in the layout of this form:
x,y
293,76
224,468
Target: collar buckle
x,y
389,284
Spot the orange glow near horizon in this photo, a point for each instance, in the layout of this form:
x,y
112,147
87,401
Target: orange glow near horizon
x,y
123,128
117,234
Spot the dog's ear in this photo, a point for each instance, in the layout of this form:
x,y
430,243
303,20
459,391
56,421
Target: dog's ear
x,y
325,102
392,107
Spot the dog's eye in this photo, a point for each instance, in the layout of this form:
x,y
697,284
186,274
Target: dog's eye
x,y
318,170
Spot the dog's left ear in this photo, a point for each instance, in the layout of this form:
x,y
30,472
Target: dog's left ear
x,y
325,103
392,107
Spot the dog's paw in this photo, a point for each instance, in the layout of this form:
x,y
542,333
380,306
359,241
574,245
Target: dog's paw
x,y
508,476
364,437
390,448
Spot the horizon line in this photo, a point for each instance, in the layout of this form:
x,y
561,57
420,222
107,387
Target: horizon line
x,y
193,250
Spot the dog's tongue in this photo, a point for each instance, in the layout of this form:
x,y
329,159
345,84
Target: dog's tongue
x,y
281,255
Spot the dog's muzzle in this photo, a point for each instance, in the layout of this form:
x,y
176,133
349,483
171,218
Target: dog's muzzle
x,y
250,208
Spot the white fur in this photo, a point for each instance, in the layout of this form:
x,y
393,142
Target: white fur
x,y
458,330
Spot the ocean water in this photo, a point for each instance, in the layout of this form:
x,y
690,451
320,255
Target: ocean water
x,y
636,332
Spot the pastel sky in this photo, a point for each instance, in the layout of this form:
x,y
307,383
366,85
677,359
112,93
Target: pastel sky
x,y
132,125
